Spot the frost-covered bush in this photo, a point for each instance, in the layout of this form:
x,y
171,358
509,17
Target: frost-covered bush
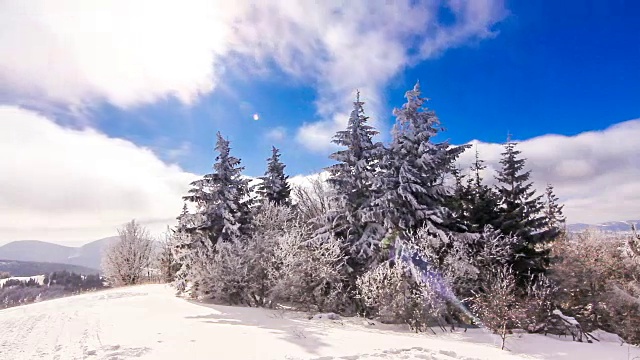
x,y
538,303
127,260
277,264
391,293
308,274
599,282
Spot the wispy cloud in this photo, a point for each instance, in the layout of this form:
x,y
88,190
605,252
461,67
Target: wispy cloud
x,y
75,53
276,134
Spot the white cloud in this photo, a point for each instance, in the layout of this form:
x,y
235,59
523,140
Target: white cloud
x,y
127,53
74,52
596,174
276,134
68,185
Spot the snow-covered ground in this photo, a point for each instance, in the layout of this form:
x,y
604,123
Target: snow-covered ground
x,y
149,322
38,278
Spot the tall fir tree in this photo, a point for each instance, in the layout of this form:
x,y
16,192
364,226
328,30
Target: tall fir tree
x,y
274,186
183,246
222,198
521,214
553,210
350,180
482,201
409,190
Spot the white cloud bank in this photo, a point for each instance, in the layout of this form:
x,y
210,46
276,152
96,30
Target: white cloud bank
x,y
596,174
65,185
75,52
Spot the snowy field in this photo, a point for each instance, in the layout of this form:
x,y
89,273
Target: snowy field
x,y
149,322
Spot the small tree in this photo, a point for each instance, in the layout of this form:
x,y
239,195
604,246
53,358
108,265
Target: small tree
x,y
166,260
274,187
498,306
552,210
127,259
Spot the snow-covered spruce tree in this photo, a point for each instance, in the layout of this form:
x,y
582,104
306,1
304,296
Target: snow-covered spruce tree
x,y
351,179
409,187
521,215
221,198
127,260
183,246
482,201
552,210
274,186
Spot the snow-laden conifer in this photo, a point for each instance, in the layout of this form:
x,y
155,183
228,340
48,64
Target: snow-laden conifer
x,y
351,180
409,188
221,198
274,186
553,210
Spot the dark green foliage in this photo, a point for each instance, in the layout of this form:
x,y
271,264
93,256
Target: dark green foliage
x,y
521,214
222,198
274,187
351,179
483,201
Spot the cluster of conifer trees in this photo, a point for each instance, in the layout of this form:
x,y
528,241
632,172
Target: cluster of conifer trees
x,y
375,197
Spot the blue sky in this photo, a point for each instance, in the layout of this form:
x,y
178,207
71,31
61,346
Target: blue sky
x,y
552,67
119,105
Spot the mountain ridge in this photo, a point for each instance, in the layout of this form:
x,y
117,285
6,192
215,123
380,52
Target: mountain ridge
x,y
609,226
88,255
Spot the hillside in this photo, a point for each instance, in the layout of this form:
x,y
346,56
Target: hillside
x,y
101,326
32,268
88,255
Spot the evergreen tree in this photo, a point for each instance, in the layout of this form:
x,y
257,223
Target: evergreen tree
x,y
482,201
409,190
351,180
274,187
521,214
458,200
222,199
553,211
183,246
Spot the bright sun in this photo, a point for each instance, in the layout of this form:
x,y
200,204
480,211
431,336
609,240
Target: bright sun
x,y
256,117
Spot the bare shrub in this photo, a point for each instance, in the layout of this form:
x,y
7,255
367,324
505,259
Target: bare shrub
x,y
392,294
312,200
127,260
498,306
308,273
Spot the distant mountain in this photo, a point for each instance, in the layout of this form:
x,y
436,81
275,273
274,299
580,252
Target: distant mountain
x,y
88,255
32,268
611,226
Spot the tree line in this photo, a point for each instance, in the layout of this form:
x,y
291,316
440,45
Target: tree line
x,y
397,232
